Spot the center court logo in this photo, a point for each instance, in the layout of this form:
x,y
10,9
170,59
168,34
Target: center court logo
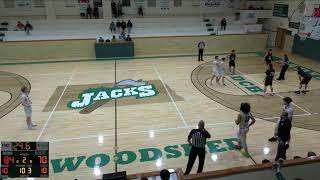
x,y
125,88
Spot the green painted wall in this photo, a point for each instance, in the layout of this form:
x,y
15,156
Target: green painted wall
x,y
308,48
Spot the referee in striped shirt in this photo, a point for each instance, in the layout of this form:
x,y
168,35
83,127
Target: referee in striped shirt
x,y
197,140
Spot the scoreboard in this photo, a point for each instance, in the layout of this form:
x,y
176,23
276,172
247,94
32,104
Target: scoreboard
x,y
24,159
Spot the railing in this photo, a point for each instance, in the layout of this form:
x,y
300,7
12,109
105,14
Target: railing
x,y
304,168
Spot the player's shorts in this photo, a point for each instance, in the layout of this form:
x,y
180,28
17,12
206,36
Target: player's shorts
x,y
268,82
221,72
232,64
305,80
28,111
215,72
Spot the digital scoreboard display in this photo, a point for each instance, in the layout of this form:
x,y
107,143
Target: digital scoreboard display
x,y
24,159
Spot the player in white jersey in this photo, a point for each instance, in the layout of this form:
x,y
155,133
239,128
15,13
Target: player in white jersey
x,y
221,70
288,108
26,103
244,123
215,70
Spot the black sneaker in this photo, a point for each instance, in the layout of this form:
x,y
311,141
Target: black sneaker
x,y
297,92
273,139
304,92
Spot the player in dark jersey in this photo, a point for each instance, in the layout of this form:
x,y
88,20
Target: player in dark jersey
x,y
268,79
304,78
268,57
232,62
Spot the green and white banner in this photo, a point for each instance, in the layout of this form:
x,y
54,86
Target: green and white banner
x,y
24,5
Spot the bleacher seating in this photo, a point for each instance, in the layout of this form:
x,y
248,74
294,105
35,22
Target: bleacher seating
x,y
142,27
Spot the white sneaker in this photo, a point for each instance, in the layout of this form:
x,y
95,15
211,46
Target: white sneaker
x,y
31,128
261,94
33,125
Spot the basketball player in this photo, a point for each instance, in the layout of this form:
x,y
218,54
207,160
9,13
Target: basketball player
x,y
243,121
221,70
284,68
215,71
232,62
304,78
26,103
268,79
268,57
287,108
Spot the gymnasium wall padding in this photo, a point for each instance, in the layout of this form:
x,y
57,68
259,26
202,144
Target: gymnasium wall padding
x,y
143,46
309,48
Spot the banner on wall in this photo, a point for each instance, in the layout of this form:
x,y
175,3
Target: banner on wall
x,y
139,3
164,6
213,3
24,5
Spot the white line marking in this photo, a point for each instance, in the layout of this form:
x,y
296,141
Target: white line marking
x,y
54,108
183,120
296,115
276,93
135,132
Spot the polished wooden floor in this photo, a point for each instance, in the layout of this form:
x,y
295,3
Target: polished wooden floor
x,y
147,123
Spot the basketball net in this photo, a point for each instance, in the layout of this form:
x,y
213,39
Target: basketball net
x,y
304,36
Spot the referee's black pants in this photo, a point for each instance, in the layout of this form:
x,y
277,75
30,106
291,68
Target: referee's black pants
x,y
200,55
194,152
283,72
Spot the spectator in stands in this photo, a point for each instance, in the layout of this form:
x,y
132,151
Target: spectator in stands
x,y
114,8
28,27
311,154
201,46
197,141
140,11
223,24
128,38
96,12
129,25
122,35
144,178
164,174
112,27
118,25
113,39
285,65
89,11
100,40
123,25
19,26
119,7
283,135
243,120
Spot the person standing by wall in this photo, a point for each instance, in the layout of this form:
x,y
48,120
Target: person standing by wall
x,y
89,11
201,46
26,103
119,8
129,26
223,24
114,8
284,68
243,121
197,141
96,12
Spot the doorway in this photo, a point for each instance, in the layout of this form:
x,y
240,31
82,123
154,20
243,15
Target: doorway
x,y
281,37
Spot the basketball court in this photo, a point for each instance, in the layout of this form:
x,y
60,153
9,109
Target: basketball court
x,y
150,106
